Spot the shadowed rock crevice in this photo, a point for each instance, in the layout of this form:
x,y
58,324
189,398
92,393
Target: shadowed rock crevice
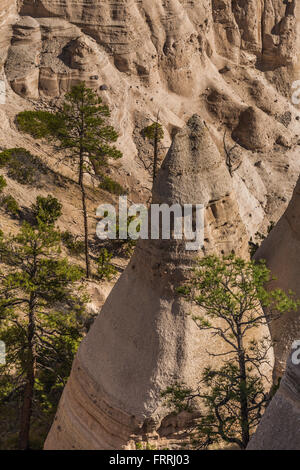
x,y
279,427
281,250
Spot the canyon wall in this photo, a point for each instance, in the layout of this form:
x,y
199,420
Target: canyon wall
x,y
281,250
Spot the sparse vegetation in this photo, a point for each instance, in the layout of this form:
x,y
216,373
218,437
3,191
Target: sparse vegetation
x,y
75,246
21,165
106,270
3,183
47,210
259,238
144,446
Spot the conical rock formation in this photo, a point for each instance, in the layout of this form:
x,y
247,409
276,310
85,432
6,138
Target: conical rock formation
x,y
281,250
143,339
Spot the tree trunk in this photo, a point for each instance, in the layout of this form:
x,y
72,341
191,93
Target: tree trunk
x,y
85,220
29,385
243,392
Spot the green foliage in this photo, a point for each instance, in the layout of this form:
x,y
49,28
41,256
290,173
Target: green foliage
x,y
3,183
232,293
5,157
259,237
178,397
51,277
155,131
79,128
21,165
75,247
47,209
108,184
150,447
42,312
139,446
83,103
106,269
10,205
221,286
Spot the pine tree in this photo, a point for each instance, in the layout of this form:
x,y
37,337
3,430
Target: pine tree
x,y
41,316
80,129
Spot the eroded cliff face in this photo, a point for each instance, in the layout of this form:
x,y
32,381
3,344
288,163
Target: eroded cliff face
x,y
230,62
142,35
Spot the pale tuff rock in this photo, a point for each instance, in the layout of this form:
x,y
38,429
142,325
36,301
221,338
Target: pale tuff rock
x,y
144,35
217,59
264,28
231,62
46,59
279,427
194,172
281,250
256,131
143,339
23,65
